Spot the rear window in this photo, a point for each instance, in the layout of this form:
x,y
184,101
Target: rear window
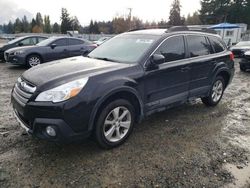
x,y
198,46
75,42
217,44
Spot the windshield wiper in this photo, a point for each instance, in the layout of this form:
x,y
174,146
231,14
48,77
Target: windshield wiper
x,y
104,59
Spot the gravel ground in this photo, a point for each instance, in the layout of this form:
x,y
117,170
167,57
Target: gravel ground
x,y
188,146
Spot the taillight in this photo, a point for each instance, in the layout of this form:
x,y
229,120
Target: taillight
x,y
231,56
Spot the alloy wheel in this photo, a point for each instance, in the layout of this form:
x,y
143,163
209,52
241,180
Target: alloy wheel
x,y
117,124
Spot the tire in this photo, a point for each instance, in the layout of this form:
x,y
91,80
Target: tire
x,y
111,131
216,92
33,60
243,68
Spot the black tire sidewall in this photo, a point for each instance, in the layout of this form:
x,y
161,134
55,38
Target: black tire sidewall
x,y
99,134
243,68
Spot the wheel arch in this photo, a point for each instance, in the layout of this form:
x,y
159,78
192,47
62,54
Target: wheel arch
x,y
225,75
127,93
34,53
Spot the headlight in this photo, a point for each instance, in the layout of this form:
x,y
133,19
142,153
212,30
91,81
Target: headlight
x,y
63,92
18,52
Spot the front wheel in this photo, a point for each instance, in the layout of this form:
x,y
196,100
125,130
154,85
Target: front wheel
x,y
115,123
216,92
33,60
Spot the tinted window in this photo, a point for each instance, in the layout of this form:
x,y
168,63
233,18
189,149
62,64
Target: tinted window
x,y
28,41
217,44
75,42
61,42
198,46
172,49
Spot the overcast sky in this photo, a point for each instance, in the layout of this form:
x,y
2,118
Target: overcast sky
x,y
100,10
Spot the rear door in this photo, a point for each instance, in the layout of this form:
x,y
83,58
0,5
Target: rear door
x,y
169,82
201,62
76,47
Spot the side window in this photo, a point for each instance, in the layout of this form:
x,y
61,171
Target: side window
x,y
198,46
172,49
217,44
61,42
75,42
40,39
28,41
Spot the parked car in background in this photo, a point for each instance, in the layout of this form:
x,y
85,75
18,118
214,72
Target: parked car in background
x,y
21,41
240,48
245,62
50,49
101,40
105,94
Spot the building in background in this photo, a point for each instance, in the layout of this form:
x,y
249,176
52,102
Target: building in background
x,y
230,33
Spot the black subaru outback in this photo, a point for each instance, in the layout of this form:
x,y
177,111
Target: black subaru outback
x,y
127,78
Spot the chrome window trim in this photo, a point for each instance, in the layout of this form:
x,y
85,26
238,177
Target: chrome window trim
x,y
189,58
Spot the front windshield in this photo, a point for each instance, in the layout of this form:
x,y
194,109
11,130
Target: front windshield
x,y
124,48
16,40
46,42
244,43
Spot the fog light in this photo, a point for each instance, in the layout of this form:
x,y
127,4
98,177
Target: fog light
x,y
50,131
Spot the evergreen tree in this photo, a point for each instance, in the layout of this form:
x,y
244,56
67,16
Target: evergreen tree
x,y
39,20
47,26
175,14
56,28
91,27
25,25
193,20
18,26
66,21
33,24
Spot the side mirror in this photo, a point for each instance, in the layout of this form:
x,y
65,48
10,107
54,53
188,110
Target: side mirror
x,y
20,44
53,46
157,59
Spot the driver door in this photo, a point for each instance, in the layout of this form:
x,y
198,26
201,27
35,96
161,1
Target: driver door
x,y
168,83
60,50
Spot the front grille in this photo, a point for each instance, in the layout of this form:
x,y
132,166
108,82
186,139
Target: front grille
x,y
23,91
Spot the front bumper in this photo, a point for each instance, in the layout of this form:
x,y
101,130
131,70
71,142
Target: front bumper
x,y
70,119
64,133
245,62
15,59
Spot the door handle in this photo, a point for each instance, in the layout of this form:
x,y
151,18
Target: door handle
x,y
185,69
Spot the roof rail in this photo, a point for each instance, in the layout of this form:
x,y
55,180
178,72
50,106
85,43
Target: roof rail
x,y
190,28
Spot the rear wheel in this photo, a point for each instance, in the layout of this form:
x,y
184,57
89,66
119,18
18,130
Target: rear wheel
x,y
33,60
115,123
216,92
243,68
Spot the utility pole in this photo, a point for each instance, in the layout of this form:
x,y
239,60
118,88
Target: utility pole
x,y
130,17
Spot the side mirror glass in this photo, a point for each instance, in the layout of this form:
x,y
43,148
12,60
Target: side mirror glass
x,y
157,59
20,44
53,46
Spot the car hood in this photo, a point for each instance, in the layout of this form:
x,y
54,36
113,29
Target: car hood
x,y
62,71
19,48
